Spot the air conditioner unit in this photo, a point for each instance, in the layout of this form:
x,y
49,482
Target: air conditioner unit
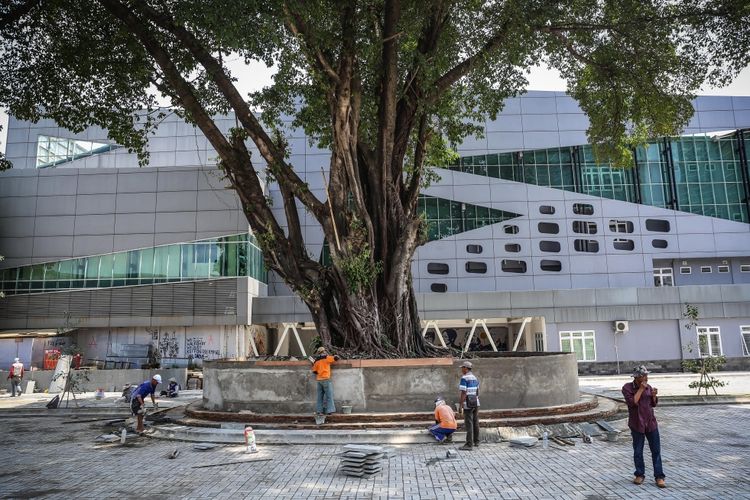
x,y
621,326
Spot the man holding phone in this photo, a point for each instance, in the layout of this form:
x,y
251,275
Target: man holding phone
x,y
641,399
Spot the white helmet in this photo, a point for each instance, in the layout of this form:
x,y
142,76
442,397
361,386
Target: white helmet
x,y
157,377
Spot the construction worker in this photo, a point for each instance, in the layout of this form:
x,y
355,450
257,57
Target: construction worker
x,y
469,398
16,377
322,369
138,402
641,399
173,389
445,422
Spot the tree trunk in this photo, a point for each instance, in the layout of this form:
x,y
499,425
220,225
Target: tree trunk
x,y
376,324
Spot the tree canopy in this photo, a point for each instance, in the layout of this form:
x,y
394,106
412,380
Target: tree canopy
x,y
388,86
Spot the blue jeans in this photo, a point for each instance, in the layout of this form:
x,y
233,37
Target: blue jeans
x,y
15,386
325,397
441,433
654,445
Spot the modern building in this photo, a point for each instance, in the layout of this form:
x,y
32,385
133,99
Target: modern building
x,y
533,245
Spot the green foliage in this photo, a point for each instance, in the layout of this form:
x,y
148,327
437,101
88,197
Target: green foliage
x,y
633,65
704,365
360,270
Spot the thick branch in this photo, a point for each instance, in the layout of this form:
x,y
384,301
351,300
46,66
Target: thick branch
x,y
268,150
297,26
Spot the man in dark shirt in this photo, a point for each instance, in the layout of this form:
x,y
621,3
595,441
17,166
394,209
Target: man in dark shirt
x,y
641,399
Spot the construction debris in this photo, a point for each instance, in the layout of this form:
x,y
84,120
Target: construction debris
x,y
361,460
232,463
107,438
606,426
525,441
204,446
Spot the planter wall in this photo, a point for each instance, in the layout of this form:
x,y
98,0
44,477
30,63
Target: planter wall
x,y
521,380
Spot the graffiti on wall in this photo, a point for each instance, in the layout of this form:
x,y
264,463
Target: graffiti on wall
x,y
168,346
195,347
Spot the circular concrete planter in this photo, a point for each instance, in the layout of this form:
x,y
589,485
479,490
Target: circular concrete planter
x,y
508,380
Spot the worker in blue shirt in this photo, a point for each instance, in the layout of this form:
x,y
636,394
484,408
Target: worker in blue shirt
x,y
138,402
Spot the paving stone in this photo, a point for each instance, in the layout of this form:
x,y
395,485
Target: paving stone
x,y
705,453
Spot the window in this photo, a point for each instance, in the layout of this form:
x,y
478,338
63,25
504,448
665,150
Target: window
x,y
437,268
584,227
591,246
659,243
476,267
510,229
547,210
723,269
620,226
583,209
51,151
745,269
513,247
539,341
623,244
686,270
663,276
548,228
549,246
551,265
513,266
439,287
709,341
474,248
581,343
706,269
745,338
657,225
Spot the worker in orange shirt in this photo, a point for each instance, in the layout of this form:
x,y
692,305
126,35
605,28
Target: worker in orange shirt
x,y
322,370
445,422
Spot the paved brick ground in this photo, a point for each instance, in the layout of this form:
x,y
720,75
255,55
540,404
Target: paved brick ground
x,y
706,455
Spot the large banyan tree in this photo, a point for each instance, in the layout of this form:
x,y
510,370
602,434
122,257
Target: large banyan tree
x,y
387,86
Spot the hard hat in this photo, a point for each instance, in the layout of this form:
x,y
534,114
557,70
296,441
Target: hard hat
x,y
157,377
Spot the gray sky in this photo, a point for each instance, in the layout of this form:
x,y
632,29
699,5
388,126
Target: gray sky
x,y
256,76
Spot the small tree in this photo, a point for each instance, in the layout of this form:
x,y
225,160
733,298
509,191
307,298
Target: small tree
x,y
703,364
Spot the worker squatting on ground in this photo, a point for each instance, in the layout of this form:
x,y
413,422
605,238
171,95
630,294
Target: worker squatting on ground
x,y
16,377
469,398
138,403
641,399
322,370
173,389
445,422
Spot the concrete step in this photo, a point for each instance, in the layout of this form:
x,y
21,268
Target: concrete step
x,y
492,430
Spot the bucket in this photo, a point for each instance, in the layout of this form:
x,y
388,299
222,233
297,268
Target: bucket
x,y
320,419
612,435
346,409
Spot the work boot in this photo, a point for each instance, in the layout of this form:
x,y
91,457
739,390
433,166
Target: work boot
x,y
466,447
638,480
449,438
660,483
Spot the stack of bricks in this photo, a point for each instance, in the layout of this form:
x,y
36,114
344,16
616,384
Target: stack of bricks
x,y
362,460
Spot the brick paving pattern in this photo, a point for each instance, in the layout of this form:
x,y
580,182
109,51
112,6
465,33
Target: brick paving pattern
x,y
706,454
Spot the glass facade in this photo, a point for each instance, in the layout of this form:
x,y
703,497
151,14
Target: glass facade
x,y
228,256
448,217
51,151
697,174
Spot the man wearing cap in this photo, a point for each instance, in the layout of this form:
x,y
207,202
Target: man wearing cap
x,y
322,369
469,398
173,389
138,402
16,377
641,399
445,422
